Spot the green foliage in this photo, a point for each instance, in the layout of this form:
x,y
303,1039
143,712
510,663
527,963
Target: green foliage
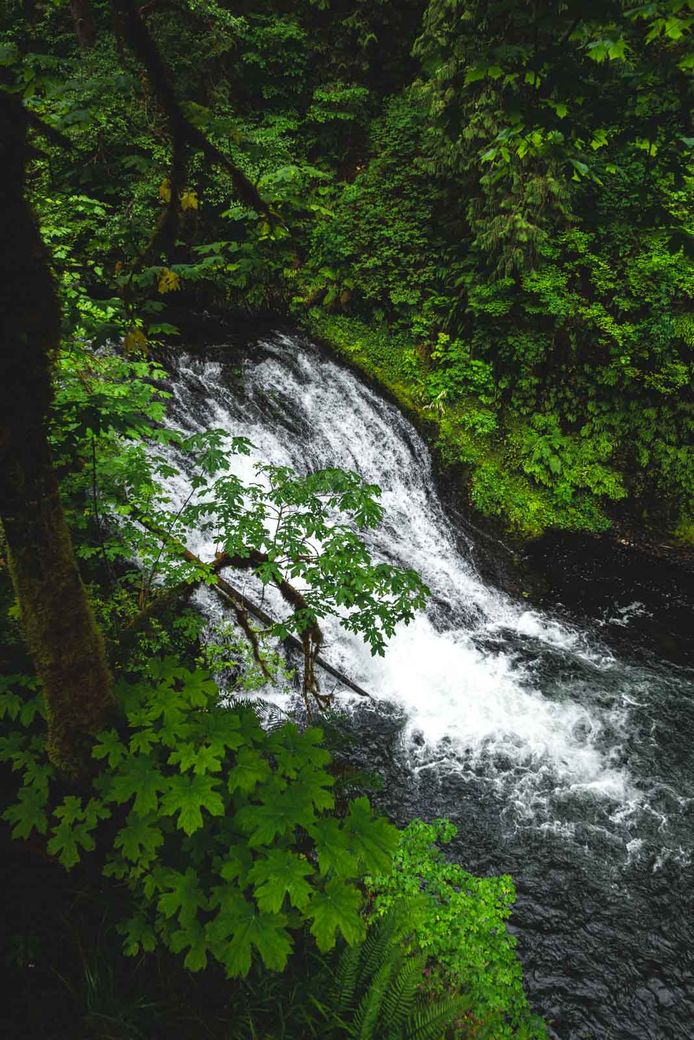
x,y
118,462
224,840
457,919
436,171
381,990
542,233
224,833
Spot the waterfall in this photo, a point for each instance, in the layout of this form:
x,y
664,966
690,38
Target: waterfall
x,y
518,716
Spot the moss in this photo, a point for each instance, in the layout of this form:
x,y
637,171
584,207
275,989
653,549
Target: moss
x,y
684,532
66,646
464,432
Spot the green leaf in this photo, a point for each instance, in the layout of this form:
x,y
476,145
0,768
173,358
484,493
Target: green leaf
x,y
139,936
236,864
372,838
281,812
277,874
28,813
181,896
193,939
109,746
249,770
73,832
293,749
617,49
139,839
200,759
224,730
238,927
474,75
336,909
188,796
137,778
332,848
199,689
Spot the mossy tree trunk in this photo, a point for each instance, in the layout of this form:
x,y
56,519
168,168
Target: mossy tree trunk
x,y
64,640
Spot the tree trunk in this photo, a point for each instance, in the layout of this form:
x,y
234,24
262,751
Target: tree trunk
x,y
84,23
65,643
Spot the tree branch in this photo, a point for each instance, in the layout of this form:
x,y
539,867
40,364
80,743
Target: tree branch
x,y
308,642
141,42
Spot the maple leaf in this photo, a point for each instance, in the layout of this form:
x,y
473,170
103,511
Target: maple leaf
x,y
37,774
169,281
277,874
238,927
139,935
294,749
189,199
280,812
32,708
74,830
372,838
249,770
336,908
236,864
139,839
311,784
181,896
12,745
193,939
166,670
10,704
184,754
143,741
109,746
28,813
137,778
199,689
166,704
222,730
187,796
332,848
209,760
135,341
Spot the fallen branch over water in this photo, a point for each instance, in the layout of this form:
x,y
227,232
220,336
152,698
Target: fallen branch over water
x,y
309,642
230,592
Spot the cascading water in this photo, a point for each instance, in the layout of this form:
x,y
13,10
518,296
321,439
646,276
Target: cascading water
x,y
562,765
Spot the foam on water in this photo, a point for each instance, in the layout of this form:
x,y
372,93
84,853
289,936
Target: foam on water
x,y
464,673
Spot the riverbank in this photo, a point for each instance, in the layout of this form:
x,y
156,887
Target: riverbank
x,y
563,764
589,574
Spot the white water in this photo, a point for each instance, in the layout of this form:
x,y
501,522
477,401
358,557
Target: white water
x,y
561,764
466,673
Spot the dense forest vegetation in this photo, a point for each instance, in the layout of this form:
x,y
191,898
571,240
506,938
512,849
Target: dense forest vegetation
x,y
486,207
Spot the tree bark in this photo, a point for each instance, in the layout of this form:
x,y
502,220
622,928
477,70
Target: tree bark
x,y
66,646
84,23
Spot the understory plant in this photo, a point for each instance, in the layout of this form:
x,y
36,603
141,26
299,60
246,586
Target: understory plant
x,y
223,832
457,920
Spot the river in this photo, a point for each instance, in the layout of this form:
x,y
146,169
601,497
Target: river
x,y
564,761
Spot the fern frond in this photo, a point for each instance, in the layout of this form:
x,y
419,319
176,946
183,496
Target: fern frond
x,y
346,978
376,947
432,1021
368,1013
400,1000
